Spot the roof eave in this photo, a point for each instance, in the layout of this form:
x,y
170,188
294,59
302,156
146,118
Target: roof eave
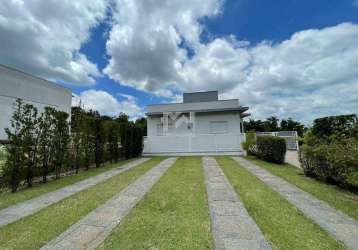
x,y
239,109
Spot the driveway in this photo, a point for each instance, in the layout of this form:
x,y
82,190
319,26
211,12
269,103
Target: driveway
x,y
292,158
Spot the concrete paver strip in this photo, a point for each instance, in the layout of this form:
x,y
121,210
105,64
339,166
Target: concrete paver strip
x,y
28,207
292,158
341,226
232,226
90,231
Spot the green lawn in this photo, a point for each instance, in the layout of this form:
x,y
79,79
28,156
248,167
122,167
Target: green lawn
x,y
340,199
173,215
34,231
283,225
2,157
8,199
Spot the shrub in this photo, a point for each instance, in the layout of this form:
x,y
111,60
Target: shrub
x,y
334,162
271,148
250,141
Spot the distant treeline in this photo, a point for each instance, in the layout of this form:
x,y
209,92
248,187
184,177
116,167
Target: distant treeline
x,y
273,124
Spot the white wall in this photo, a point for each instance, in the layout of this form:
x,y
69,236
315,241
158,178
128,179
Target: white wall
x,y
201,123
15,84
198,140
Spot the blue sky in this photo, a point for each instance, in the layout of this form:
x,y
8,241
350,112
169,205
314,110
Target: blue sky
x,y
272,55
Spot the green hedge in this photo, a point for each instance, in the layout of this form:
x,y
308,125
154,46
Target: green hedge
x,y
334,161
271,148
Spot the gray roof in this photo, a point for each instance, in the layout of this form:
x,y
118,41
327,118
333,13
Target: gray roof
x,y
32,78
211,106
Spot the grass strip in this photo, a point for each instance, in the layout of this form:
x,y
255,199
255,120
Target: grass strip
x,y
283,225
34,231
173,215
345,201
7,199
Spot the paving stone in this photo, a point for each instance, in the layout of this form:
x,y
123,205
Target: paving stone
x,y
226,208
232,226
339,225
26,208
245,244
90,231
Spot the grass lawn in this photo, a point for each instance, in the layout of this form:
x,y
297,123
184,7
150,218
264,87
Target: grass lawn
x,y
283,225
34,231
8,198
2,157
340,199
173,215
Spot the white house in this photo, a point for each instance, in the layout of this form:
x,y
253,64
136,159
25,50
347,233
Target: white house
x,y
36,91
201,125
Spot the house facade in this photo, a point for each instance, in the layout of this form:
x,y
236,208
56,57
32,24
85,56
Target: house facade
x,y
201,125
16,84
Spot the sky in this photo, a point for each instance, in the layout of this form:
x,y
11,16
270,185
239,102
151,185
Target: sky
x,y
284,58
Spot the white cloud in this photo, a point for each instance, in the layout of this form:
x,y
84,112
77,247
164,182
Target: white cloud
x,y
107,104
144,41
44,37
294,77
311,74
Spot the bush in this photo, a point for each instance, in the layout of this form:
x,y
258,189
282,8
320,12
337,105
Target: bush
x,y
334,161
250,142
271,148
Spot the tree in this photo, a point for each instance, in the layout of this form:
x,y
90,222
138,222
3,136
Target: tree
x,y
291,125
30,137
14,165
112,131
271,124
341,125
122,118
60,140
99,143
254,125
87,140
46,136
77,118
142,124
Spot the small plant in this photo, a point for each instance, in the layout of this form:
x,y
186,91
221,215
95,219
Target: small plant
x,y
271,148
249,142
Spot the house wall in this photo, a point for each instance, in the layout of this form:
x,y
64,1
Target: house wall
x,y
201,123
38,92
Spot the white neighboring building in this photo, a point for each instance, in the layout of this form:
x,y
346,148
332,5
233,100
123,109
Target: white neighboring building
x,y
201,125
36,91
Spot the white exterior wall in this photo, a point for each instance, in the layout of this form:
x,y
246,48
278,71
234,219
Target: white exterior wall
x,y
38,92
201,123
199,139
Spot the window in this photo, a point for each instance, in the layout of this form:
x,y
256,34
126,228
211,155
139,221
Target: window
x,y
218,127
160,129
